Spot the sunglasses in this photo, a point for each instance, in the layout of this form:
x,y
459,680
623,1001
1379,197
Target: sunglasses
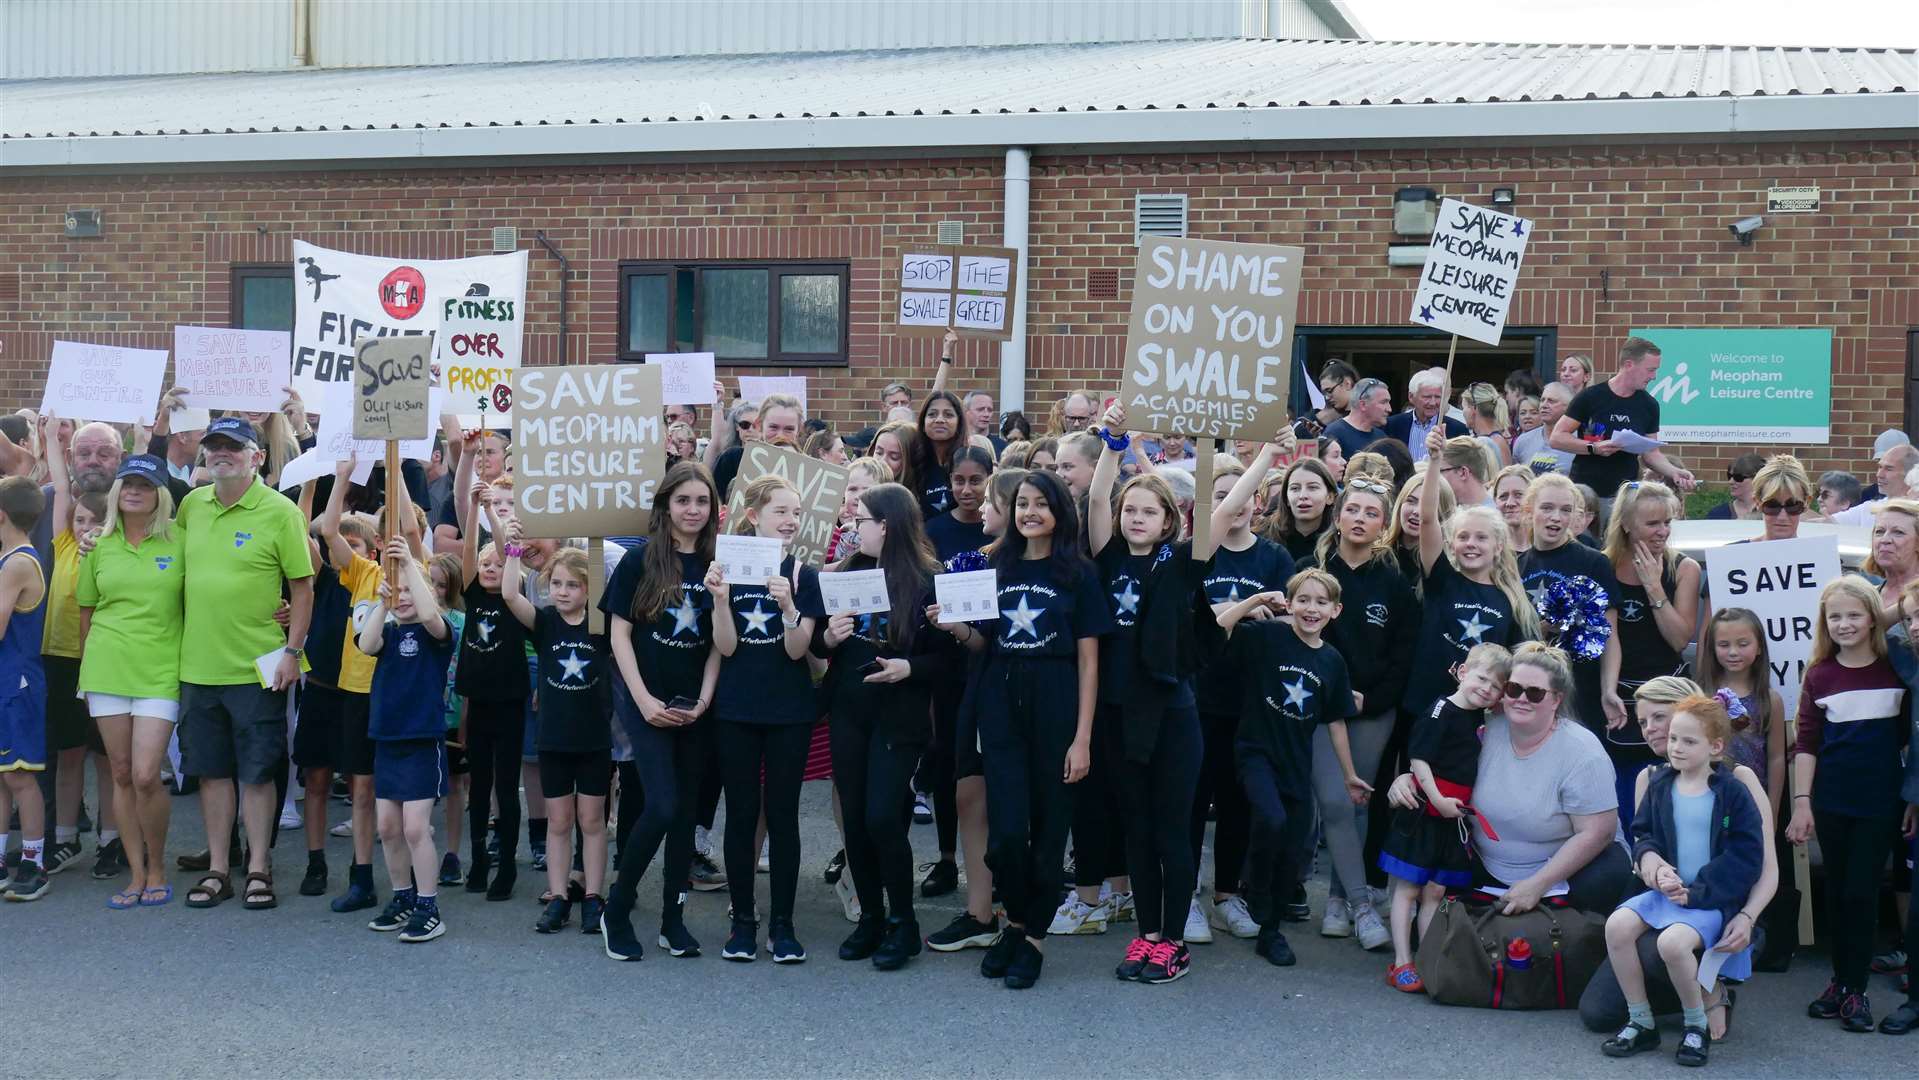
x,y
1367,483
1534,694
1790,509
1738,477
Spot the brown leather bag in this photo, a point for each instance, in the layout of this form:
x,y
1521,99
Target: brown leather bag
x,y
1472,955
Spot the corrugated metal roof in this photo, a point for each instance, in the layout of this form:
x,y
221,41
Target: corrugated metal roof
x,y
1200,75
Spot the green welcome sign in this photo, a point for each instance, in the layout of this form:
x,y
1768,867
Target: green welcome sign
x,y
1755,387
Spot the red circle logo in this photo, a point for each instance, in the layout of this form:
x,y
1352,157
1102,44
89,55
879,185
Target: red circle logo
x,y
403,292
502,397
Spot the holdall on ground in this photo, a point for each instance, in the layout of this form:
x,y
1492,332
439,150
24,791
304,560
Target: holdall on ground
x,y
1540,959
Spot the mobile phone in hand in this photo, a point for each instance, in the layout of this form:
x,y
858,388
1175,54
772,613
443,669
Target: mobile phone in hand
x,y
683,704
871,667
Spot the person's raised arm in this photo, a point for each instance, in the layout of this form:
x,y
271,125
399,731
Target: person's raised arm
x,y
1249,481
470,538
338,550
14,458
713,447
426,603
1675,615
1099,494
1432,531
373,631
408,523
1230,618
726,631
510,581
62,484
946,361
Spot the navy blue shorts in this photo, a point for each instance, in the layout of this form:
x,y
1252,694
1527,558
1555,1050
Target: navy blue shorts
x,y
23,731
408,770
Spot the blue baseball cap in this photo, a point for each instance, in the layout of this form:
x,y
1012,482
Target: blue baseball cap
x,y
143,467
232,427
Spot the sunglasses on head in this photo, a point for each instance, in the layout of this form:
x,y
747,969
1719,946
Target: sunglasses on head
x,y
1534,694
1790,509
1367,483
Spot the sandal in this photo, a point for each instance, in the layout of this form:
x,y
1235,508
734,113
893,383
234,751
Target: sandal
x,y
203,896
124,900
262,898
156,895
1406,978
1728,999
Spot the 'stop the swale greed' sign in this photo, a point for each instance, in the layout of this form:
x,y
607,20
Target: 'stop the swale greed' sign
x,y
1209,344
1471,270
588,448
959,288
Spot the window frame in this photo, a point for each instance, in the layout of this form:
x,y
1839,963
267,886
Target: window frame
x,y
775,356
239,273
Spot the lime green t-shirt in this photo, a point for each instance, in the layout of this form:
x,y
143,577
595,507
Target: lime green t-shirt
x,y
133,646
239,554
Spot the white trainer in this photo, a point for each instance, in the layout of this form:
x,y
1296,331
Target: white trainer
x,y
1232,916
1338,922
1198,930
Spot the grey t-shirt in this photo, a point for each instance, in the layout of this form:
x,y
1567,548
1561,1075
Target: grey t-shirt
x,y
1532,449
1530,802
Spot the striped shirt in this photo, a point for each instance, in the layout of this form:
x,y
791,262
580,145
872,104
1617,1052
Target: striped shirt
x,y
1854,721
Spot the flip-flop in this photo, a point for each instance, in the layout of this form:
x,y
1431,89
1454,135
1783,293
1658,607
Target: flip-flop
x,y
124,900
156,895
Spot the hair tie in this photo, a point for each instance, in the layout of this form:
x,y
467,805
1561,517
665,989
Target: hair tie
x,y
1735,707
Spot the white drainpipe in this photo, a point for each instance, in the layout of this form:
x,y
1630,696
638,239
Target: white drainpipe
x,y
1012,354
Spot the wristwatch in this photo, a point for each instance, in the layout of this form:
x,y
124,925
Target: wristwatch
x,y
293,652
1655,604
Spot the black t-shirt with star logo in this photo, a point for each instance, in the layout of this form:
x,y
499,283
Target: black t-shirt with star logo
x,y
936,492
1232,576
1459,614
1289,689
759,683
575,706
1043,617
1125,578
672,648
1539,571
492,650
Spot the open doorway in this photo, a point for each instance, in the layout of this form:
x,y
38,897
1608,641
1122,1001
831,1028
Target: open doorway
x,y
1393,353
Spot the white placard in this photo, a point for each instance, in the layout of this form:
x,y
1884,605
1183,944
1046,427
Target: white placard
x,y
984,273
926,309
222,368
1779,581
182,420
979,312
968,596
685,378
308,466
932,272
854,592
335,441
755,388
1471,271
748,560
103,382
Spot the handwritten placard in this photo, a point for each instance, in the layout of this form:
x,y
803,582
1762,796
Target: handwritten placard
x,y
1209,343
588,448
1471,271
746,559
822,488
685,378
103,382
985,273
967,596
757,388
1779,581
959,288
854,592
392,380
222,368
926,309
930,271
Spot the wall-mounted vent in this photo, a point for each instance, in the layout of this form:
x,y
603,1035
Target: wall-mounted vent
x,y
1102,284
1159,215
952,232
506,239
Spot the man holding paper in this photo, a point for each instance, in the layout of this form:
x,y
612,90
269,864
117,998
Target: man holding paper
x,y
1610,428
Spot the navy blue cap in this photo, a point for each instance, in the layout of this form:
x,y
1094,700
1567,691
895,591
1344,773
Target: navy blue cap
x,y
143,467
233,427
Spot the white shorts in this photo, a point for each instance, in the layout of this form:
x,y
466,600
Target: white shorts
x,y
159,708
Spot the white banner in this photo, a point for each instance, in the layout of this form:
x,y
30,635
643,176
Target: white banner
x,y
1779,581
1471,270
103,382
339,297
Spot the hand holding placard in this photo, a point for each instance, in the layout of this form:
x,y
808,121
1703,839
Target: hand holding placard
x,y
747,560
854,592
967,596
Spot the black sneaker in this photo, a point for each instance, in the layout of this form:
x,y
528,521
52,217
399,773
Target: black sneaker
x,y
1022,972
1855,1013
743,944
398,911
999,955
964,932
1901,1020
677,940
1632,1039
705,875
503,879
359,895
864,941
1272,945
450,870
590,913
900,944
618,939
109,860
315,881
476,874
555,917
781,942
423,925
922,809
1138,952
1295,909
1171,961
941,878
60,857
835,867
1693,1047
29,883
539,857
1826,1005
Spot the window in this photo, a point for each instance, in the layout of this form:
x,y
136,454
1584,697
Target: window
x,y
263,298
742,313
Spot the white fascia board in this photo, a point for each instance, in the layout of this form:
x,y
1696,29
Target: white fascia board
x,y
1881,115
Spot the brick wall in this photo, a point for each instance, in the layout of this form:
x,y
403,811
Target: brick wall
x,y
1653,217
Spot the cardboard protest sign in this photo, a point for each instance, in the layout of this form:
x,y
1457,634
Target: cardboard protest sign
x,y
1209,342
756,388
339,297
686,378
334,441
103,382
960,288
1471,270
1779,580
588,448
221,368
392,382
822,488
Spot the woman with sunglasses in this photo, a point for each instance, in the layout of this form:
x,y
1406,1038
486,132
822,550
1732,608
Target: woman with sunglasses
x,y
1742,506
1784,491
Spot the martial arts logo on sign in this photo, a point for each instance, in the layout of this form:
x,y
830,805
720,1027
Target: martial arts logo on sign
x,y
403,292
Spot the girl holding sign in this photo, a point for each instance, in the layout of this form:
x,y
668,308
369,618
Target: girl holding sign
x,y
1033,701
885,668
493,678
765,710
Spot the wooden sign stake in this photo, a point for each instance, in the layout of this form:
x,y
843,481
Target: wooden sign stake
x,y
393,570
596,584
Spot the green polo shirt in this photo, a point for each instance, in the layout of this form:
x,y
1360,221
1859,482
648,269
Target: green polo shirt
x,y
238,556
133,647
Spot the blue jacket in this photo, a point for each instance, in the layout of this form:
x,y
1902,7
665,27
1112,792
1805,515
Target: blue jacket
x,y
1906,663
1400,426
1738,854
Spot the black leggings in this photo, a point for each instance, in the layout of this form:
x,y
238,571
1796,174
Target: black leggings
x,y
667,764
1157,797
495,734
873,772
1099,842
941,773
1282,820
1219,789
744,750
632,796
1855,850
1028,714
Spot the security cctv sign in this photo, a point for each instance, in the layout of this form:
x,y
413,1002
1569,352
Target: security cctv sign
x,y
1792,200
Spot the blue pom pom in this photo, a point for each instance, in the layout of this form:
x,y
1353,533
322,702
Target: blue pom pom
x,y
967,561
1574,610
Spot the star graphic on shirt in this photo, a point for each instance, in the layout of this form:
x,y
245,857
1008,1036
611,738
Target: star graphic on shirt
x,y
1538,593
573,667
1296,693
485,628
1127,599
1630,611
1472,629
1232,594
1023,618
1426,312
939,502
685,617
757,619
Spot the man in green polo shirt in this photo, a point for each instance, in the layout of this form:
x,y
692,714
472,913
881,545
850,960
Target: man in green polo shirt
x,y
241,539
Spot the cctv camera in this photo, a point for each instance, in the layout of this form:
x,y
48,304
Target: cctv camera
x,y
1743,229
